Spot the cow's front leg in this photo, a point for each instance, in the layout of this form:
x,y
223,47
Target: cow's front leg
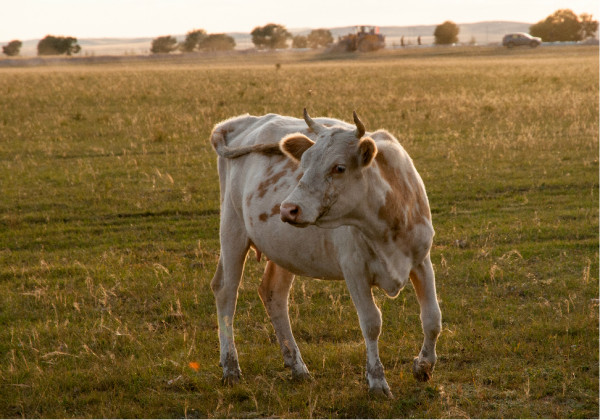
x,y
370,323
274,292
423,281
225,284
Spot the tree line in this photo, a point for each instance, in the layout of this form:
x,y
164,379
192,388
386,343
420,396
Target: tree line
x,y
195,40
562,25
270,36
49,45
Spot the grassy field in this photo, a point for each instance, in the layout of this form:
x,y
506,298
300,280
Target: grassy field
x,y
109,218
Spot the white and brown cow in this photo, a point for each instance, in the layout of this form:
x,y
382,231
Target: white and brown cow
x,y
322,198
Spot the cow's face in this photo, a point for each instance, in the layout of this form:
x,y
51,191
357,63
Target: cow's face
x,y
333,183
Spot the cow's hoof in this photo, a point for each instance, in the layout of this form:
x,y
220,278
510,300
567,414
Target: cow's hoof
x,y
422,370
378,387
301,376
231,378
380,391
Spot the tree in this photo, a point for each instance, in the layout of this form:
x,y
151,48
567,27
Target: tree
x,y
217,42
589,27
193,39
299,41
446,33
270,36
57,45
564,25
163,44
12,48
319,38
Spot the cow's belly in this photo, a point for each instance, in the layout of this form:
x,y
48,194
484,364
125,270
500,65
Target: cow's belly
x,y
306,251
265,183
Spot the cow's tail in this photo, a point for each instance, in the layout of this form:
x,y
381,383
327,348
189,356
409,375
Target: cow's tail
x,y
218,139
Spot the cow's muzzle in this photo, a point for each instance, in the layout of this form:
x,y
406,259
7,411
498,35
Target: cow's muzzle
x,y
292,214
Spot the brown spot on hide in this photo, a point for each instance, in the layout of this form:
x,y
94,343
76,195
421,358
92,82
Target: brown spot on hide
x,y
264,186
406,203
275,209
263,217
274,173
269,170
249,199
290,165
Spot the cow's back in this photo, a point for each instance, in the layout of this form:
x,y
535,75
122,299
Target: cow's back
x,y
246,130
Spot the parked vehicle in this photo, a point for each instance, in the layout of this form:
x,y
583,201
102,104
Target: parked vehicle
x,y
520,38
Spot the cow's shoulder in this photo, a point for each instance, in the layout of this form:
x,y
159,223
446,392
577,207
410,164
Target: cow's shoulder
x,y
383,136
393,161
405,203
390,153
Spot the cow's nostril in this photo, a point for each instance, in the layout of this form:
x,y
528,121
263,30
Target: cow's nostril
x,y
289,212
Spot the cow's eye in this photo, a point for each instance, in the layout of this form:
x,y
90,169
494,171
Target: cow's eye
x,y
338,169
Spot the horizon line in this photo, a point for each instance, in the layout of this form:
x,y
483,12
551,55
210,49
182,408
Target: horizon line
x,y
289,29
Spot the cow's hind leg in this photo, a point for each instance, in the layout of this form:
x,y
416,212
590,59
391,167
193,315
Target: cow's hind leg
x,y
274,292
225,284
423,281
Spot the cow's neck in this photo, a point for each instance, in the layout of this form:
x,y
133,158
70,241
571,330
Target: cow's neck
x,y
369,210
394,253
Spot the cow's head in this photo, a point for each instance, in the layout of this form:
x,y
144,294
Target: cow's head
x,y
333,183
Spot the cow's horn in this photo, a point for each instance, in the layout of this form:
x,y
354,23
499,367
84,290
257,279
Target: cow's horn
x,y
311,124
360,127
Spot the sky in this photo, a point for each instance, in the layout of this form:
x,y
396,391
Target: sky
x,y
34,19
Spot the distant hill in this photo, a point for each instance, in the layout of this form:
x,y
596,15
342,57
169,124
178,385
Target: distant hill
x,y
481,32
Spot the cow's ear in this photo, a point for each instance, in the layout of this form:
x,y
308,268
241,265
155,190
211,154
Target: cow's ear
x,y
366,151
294,145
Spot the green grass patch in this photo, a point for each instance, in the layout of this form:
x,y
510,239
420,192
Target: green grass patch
x,y
109,237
